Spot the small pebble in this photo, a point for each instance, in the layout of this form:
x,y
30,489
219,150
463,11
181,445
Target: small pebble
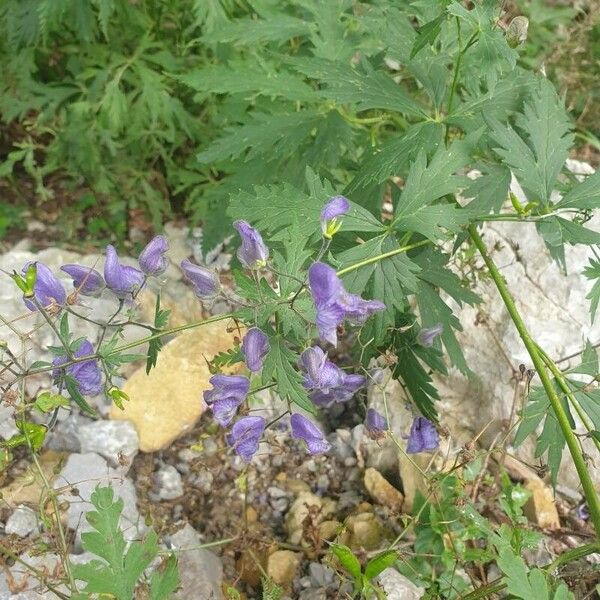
x,y
168,483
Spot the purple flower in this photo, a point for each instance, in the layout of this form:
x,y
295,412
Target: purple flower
x,y
152,258
583,512
426,337
87,373
376,424
327,381
423,436
205,281
334,304
255,348
245,436
253,253
121,279
47,290
228,393
86,281
335,207
305,429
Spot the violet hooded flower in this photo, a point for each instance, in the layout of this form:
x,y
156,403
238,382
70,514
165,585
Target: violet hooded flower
x,y
253,252
245,436
255,347
228,393
376,424
334,304
86,281
427,336
335,207
121,279
423,436
327,381
304,429
205,281
87,374
47,290
152,259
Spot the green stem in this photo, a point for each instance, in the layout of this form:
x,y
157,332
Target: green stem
x,y
561,416
374,259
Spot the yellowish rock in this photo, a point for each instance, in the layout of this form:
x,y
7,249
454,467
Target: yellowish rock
x,y
309,505
329,529
541,508
282,566
167,403
381,490
362,531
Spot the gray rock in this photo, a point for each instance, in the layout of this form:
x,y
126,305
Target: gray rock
x,y
22,522
398,587
80,476
31,587
200,570
117,441
168,483
321,576
203,481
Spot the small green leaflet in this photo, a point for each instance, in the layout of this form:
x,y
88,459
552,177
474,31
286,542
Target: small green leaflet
x,y
280,365
348,561
589,361
536,159
427,34
31,434
584,195
489,192
47,401
73,389
161,318
592,272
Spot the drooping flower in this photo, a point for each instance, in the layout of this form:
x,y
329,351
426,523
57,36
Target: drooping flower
x,y
304,429
375,424
245,436
253,252
335,207
205,281
228,393
86,281
423,436
327,381
121,279
152,259
255,347
334,304
47,290
427,336
87,374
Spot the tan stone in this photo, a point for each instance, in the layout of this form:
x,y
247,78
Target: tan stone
x,y
307,503
362,531
381,490
329,529
540,508
167,403
282,566
411,474
28,488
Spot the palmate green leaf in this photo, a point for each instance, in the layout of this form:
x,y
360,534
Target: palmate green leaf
x,y
592,272
488,192
264,135
244,32
164,580
427,34
276,207
426,183
393,157
256,80
524,584
584,195
281,365
362,86
537,157
589,361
